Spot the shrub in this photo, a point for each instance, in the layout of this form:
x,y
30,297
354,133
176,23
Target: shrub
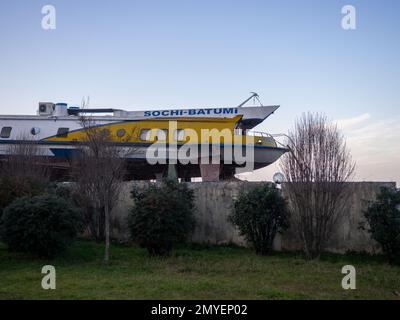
x,y
383,217
92,215
162,216
259,214
12,188
62,190
42,225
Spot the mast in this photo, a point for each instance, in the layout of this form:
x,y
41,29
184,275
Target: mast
x,y
254,95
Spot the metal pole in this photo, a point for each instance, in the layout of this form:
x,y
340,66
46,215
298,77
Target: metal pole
x,y
248,99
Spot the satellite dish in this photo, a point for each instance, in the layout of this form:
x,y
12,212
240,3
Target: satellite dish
x,y
278,178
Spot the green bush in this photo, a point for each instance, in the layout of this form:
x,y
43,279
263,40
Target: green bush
x,y
383,217
11,189
41,225
93,218
162,216
259,214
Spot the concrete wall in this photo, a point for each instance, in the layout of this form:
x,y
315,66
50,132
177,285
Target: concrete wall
x,y
214,202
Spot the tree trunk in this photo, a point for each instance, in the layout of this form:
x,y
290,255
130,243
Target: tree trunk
x,y
101,223
107,233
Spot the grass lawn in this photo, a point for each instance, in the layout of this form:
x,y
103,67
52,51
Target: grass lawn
x,y
194,273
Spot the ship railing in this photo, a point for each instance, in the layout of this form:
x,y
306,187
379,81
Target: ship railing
x,y
281,139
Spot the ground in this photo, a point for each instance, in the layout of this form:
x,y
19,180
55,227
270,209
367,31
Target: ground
x,y
195,273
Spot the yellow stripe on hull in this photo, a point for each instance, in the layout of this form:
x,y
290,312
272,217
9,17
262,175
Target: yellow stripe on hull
x,y
196,130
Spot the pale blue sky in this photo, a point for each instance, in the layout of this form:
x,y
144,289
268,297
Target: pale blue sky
x,y
158,54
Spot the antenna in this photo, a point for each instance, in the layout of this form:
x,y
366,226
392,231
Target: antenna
x,y
253,95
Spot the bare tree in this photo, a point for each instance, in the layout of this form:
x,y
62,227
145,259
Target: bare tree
x,y
316,169
24,170
25,160
98,169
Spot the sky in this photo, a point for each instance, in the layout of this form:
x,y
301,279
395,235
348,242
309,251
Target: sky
x,y
143,55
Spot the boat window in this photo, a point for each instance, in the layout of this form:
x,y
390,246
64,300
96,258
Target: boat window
x,y
179,135
5,132
62,132
121,133
162,134
35,131
145,134
106,133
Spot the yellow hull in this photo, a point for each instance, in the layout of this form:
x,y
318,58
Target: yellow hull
x,y
194,130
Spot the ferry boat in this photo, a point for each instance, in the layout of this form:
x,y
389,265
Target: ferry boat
x,y
57,129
